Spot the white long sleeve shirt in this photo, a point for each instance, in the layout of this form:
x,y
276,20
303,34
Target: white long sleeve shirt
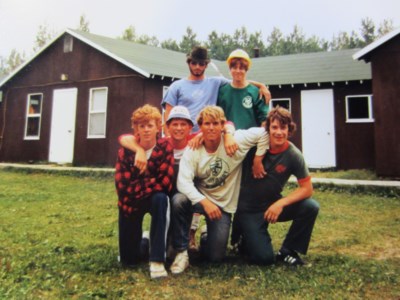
x,y
216,176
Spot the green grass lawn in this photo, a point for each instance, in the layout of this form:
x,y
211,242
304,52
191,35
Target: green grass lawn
x,y
58,240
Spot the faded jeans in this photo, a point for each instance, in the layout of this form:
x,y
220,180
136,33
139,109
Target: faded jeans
x,y
217,230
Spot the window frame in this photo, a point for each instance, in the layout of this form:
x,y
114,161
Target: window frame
x,y
90,113
33,115
281,99
370,118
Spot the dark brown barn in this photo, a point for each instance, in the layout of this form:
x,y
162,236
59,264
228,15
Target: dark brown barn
x,y
92,83
70,102
384,56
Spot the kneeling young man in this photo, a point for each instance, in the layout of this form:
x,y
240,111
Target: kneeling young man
x,y
210,179
145,192
261,202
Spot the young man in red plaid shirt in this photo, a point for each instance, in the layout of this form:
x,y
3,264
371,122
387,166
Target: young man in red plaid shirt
x,y
145,192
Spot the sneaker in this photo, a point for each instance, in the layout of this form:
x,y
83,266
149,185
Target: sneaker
x,y
192,241
157,270
290,258
181,263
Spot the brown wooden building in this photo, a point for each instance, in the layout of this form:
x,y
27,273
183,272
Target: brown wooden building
x,y
384,57
70,102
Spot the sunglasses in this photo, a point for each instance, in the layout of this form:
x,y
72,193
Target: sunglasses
x,y
200,63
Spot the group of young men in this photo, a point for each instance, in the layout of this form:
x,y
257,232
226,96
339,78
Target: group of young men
x,y
233,173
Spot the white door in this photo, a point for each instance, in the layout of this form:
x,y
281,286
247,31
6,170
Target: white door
x,y
62,134
318,128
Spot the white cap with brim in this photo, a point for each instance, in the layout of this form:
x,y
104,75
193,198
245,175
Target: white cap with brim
x,y
179,112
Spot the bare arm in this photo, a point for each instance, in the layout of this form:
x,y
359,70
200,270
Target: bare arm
x,y
229,141
129,142
167,111
212,210
304,191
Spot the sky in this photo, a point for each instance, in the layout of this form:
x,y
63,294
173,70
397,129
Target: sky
x,y
168,19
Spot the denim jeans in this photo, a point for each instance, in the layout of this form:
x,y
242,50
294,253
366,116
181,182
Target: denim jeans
x,y
130,231
257,241
217,230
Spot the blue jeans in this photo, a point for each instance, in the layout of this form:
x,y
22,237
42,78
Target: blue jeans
x,y
257,241
130,231
217,230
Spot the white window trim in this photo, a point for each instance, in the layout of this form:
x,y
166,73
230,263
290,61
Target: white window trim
x,y
282,99
99,136
27,116
370,112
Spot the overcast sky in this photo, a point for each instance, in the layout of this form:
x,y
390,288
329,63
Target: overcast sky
x,y
20,19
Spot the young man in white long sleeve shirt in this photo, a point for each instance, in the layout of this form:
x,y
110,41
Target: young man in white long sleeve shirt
x,y
211,180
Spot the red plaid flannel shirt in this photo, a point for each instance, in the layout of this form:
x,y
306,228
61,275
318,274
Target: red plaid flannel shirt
x,y
134,188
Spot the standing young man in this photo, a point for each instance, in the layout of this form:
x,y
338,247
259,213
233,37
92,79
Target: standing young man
x,y
210,179
240,99
261,202
197,91
242,106
147,192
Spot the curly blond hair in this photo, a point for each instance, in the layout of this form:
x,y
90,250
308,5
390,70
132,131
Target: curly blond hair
x,y
145,114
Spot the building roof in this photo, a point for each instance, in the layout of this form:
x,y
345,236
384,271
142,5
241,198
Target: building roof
x,y
147,60
152,61
318,67
364,52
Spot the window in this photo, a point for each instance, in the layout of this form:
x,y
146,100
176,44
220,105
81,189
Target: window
x,y
359,109
282,102
68,43
33,116
97,113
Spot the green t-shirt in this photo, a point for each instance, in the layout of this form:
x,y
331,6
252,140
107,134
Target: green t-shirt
x,y
242,106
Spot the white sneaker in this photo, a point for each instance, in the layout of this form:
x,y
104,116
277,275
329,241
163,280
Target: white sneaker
x,y
181,263
157,270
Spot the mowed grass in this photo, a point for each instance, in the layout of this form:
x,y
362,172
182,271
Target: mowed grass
x,y
59,240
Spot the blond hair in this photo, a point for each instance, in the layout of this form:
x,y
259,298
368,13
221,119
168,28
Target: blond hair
x,y
212,112
145,114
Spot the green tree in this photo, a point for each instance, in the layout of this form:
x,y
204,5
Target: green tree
x,y
385,27
170,44
43,36
83,24
188,41
14,60
240,38
367,31
275,43
148,40
219,46
255,43
129,34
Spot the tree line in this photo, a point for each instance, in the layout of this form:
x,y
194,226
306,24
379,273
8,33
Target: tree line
x,y
221,44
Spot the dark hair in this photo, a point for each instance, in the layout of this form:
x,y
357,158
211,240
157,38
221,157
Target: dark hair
x,y
283,116
198,53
